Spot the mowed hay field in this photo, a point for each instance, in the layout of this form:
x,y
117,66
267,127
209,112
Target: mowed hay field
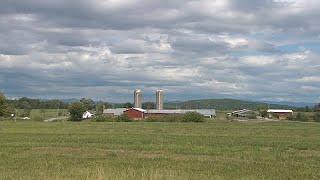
x,y
137,150
42,114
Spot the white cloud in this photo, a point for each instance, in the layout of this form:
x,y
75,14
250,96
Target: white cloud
x,y
313,79
258,60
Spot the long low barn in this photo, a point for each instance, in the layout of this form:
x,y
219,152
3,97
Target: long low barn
x,y
205,112
280,113
114,112
138,113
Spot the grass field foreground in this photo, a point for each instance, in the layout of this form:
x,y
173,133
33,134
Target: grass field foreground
x,y
137,150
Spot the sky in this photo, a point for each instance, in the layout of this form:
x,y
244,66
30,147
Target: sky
x,y
266,50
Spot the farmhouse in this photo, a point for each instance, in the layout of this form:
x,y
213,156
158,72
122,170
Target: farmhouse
x,y
281,114
87,115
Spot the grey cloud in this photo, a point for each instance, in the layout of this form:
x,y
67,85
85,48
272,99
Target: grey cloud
x,y
189,48
252,5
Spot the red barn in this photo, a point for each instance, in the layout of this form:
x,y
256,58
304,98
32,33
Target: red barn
x,y
135,113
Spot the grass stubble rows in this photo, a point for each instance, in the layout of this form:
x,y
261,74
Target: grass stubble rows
x,y
145,150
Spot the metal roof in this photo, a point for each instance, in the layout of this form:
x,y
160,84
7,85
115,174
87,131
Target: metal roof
x,y
139,109
241,111
116,112
182,111
279,111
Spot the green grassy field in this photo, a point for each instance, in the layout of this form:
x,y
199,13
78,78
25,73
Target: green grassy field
x,y
217,150
42,114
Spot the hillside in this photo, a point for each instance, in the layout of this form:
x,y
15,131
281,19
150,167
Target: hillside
x,y
222,104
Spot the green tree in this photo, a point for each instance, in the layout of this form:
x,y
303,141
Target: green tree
x,y
26,112
316,117
301,117
128,105
5,109
307,109
99,109
148,105
9,110
107,105
88,103
317,108
263,113
76,111
3,105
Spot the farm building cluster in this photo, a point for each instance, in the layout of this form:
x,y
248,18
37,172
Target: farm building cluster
x,y
281,114
137,113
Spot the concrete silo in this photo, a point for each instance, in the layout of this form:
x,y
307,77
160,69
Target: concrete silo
x,y
138,98
159,99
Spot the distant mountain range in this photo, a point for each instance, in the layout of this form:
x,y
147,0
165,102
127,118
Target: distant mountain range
x,y
232,104
70,100
296,104
223,104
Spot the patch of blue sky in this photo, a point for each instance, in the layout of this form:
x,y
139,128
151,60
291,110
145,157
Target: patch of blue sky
x,y
252,53
312,46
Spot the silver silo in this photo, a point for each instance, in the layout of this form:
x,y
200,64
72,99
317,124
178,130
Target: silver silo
x,y
159,99
138,98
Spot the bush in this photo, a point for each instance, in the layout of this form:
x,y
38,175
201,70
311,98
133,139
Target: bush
x,y
123,118
167,118
26,112
290,118
153,119
193,117
301,117
188,117
37,117
252,116
316,117
104,119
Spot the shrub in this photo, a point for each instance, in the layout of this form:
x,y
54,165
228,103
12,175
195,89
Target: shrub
x,y
316,117
153,119
252,116
123,118
104,119
26,112
290,118
193,117
173,118
188,117
167,118
301,117
37,117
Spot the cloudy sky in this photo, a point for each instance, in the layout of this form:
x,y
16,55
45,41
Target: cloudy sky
x,y
104,49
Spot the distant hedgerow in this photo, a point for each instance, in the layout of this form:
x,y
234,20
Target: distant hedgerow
x,y
193,117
